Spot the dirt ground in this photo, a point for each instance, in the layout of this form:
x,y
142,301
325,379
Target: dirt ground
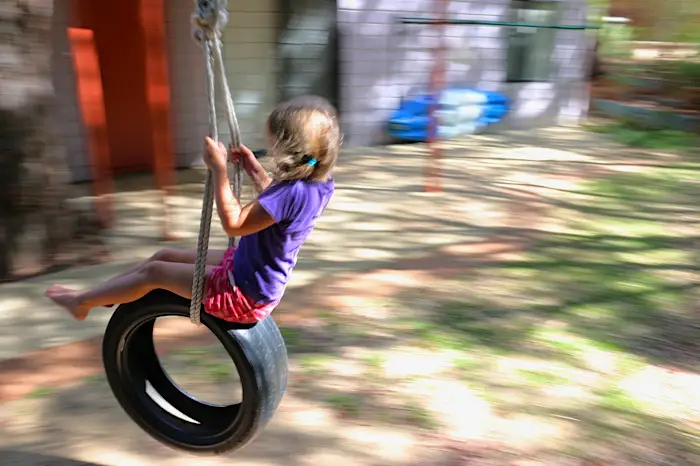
x,y
489,324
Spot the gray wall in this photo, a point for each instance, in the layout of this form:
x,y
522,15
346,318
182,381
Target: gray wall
x,y
307,49
381,60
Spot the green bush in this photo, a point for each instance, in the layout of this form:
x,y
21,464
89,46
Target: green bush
x,y
687,72
633,135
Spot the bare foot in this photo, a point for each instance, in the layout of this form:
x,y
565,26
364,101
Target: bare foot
x,y
68,299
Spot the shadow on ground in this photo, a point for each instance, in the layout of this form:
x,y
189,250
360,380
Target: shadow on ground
x,y
19,458
302,433
543,306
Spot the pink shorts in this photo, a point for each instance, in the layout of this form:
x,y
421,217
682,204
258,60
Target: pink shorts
x,y
223,301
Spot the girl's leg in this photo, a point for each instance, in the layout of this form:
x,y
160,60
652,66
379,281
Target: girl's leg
x,y
183,256
187,256
174,277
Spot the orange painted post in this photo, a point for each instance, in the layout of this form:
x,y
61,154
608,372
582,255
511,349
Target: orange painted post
x,y
433,170
91,102
152,18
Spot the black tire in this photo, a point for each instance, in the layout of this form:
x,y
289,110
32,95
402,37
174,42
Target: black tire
x,y
130,360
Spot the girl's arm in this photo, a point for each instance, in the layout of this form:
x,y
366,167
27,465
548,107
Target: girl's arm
x,y
261,180
237,220
258,176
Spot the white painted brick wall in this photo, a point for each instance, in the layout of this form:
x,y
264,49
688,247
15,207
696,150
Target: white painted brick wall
x,y
381,60
249,50
187,84
250,53
67,118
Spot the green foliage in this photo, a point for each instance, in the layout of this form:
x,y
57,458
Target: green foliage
x,y
613,38
633,135
686,72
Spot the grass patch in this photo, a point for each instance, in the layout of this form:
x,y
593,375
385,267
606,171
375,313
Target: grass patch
x,y
634,135
370,407
314,339
562,342
618,401
592,306
41,392
420,417
542,378
219,372
314,365
195,357
327,315
553,334
348,404
206,363
292,338
95,378
466,363
192,352
375,367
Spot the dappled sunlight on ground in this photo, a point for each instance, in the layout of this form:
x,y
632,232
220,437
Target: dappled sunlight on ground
x,y
541,310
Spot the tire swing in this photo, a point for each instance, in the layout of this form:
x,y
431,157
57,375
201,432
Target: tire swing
x,y
257,350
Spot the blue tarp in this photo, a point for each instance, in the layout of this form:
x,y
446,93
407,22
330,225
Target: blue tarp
x,y
462,111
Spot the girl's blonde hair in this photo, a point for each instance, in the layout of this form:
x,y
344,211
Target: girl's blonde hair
x,y
306,139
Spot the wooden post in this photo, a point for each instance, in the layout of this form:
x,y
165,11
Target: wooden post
x,y
152,18
433,172
92,107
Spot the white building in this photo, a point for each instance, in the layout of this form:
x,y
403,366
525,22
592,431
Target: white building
x,y
357,53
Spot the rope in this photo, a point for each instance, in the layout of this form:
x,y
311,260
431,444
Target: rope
x,y
209,18
231,118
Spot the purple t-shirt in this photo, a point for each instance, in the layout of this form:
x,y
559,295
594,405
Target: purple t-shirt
x,y
264,260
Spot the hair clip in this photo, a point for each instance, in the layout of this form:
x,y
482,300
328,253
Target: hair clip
x,y
310,161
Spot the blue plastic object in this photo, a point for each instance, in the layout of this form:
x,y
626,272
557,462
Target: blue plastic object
x,y
461,111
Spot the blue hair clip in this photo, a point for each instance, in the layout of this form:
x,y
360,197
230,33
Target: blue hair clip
x,y
311,162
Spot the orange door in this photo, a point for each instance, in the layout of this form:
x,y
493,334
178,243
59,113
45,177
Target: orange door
x,y
121,48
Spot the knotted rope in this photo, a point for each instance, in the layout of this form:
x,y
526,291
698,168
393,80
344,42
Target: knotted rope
x,y
209,19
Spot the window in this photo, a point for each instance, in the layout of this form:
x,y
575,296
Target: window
x,y
530,49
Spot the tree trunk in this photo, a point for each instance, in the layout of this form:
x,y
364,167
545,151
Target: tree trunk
x,y
39,230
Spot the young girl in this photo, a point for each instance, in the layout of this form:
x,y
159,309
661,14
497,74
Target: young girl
x,y
244,284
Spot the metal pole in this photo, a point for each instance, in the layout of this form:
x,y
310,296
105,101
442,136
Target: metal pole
x,y
437,76
442,20
437,83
